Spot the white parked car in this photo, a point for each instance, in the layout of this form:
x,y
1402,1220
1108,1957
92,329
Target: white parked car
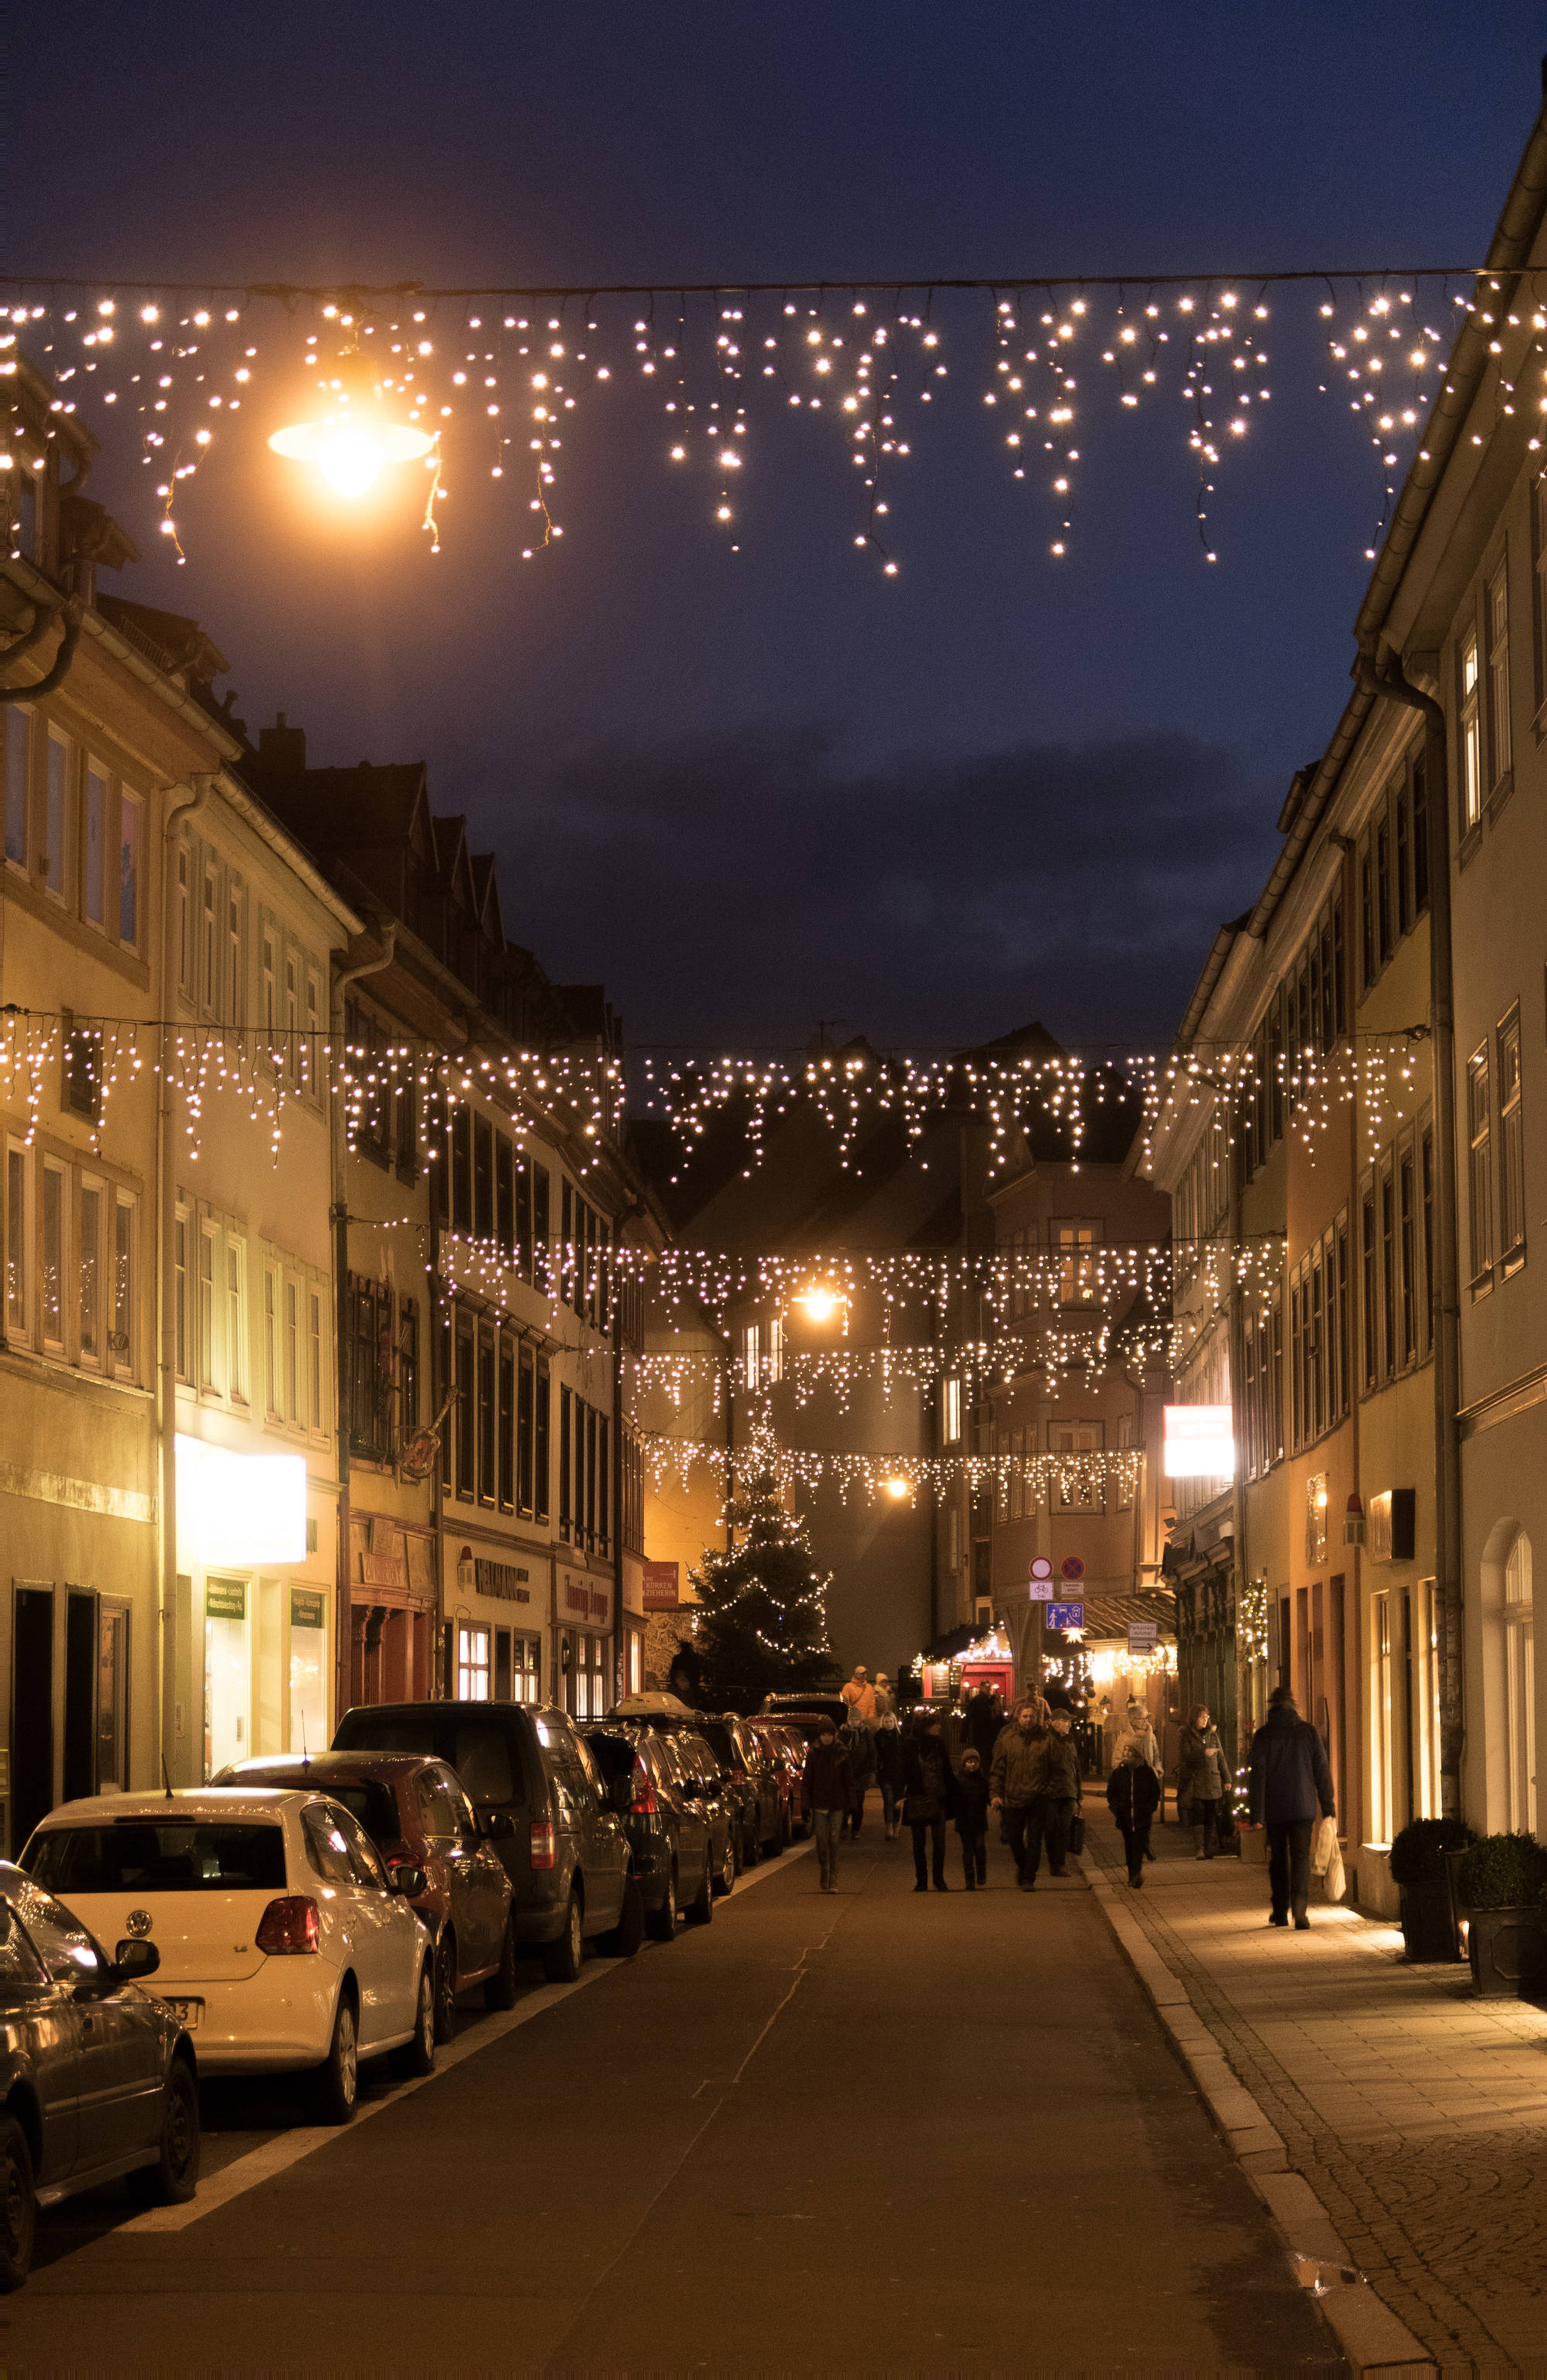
x,y
283,1941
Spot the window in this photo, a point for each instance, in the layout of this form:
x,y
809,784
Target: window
x,y
1512,1146
540,1443
565,1514
94,874
1539,586
1520,1686
1480,1168
487,1418
1388,1273
1402,808
1316,1500
1420,837
505,1195
91,1272
56,814
525,1414
1407,1226
523,1215
206,1316
209,941
1071,1493
292,1351
408,1367
472,1665
1471,750
268,995
179,1293
236,1321
292,1017
1386,938
270,1342
1075,1277
1495,613
83,1075
542,1226
483,1178
1426,1181
1369,1301
1369,965
19,741
461,1172
507,1426
123,1284
53,1253
236,969
370,1311
950,1412
131,836
16,1300
466,1409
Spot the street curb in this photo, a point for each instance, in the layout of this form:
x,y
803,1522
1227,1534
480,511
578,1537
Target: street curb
x,y
1372,2336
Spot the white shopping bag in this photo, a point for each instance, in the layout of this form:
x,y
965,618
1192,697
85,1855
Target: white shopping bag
x,y
1333,1882
1324,1844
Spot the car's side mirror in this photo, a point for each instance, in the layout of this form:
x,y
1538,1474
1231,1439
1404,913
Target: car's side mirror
x,y
132,1962
496,1825
410,1881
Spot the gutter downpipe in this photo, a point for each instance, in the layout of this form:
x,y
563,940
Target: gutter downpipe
x,y
176,815
1389,678
340,1219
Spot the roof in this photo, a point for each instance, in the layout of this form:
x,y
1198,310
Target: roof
x,y
185,1802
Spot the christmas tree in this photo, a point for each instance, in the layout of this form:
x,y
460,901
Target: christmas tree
x,y
762,1608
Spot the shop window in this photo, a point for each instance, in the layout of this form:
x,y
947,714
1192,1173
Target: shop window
x,y
502,1665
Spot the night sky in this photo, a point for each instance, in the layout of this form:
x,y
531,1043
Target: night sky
x,y
752,789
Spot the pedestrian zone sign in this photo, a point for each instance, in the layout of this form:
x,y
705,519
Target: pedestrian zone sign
x,y
1065,1615
1143,1635
1043,1587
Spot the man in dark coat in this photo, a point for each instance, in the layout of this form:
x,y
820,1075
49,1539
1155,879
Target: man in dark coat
x,y
829,1793
984,1719
1018,1785
1290,1780
929,1795
1064,1789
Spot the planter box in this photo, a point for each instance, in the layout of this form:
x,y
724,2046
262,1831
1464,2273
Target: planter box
x,y
1507,1948
1429,1920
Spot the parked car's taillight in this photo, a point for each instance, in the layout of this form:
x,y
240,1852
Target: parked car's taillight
x,y
288,1926
542,1842
644,1805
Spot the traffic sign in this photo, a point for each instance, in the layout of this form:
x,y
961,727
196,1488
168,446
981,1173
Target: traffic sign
x,y
1143,1635
1072,1567
1065,1615
1043,1587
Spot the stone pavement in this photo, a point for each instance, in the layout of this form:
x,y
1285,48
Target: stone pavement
x,y
1416,2113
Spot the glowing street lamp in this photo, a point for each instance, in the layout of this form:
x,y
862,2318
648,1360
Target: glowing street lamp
x,y
899,1489
349,434
821,1304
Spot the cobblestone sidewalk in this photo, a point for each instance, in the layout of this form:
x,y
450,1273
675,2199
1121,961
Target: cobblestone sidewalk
x,y
1417,2112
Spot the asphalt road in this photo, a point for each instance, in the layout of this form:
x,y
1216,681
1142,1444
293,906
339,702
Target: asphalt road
x,y
869,2132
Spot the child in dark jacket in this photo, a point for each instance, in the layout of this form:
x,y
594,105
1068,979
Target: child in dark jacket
x,y
972,1801
1133,1794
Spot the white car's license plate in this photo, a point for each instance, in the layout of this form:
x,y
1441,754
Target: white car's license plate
x,y
188,2013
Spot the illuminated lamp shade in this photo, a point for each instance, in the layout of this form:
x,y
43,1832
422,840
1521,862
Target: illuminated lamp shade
x,y
239,1508
347,432
1200,1442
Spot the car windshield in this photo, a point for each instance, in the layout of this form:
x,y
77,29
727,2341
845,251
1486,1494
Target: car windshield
x,y
166,1855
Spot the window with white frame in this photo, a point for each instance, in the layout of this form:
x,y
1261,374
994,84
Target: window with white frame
x,y
1072,1237
1512,1146
1495,613
292,1349
209,939
316,1410
312,1056
235,1319
472,1665
1520,1635
124,1284
180,1293
292,1016
1471,736
55,851
51,1302
93,847
184,904
950,1410
18,1241
236,958
18,765
1480,1165
268,992
91,1270
1075,1490
132,846
270,1342
209,1250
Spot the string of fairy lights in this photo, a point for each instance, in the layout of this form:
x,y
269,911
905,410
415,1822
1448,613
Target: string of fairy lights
x,y
500,384
1072,1482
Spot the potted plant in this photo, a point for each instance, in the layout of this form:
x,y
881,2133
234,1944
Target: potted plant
x,y
1499,1887
1418,1867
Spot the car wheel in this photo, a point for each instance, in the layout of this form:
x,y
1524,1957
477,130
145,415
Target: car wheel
x,y
19,2205
336,2085
561,1960
499,1991
701,1910
622,1941
445,1987
730,1868
417,2055
662,1922
174,2177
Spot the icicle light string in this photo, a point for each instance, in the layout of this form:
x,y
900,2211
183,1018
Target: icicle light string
x,y
485,377
1071,1480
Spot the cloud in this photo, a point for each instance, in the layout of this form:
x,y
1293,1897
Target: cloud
x,y
734,889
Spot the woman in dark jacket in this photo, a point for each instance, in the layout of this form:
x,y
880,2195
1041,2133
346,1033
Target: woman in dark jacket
x,y
929,1794
889,1770
1200,1781
1132,1792
971,1813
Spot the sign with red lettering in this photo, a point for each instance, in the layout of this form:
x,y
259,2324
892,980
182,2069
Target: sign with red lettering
x,y
662,1592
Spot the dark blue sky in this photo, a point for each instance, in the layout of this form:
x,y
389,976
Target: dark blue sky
x,y
747,790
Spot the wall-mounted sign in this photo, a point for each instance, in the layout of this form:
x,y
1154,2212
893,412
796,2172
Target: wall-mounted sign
x,y
247,1510
1200,1442
1143,1635
1072,1567
661,1591
505,1581
307,1608
384,1570
1043,1586
1065,1615
576,1598
225,1598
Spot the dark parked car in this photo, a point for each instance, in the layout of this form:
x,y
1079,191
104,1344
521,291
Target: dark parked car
x,y
99,2078
668,1833
788,1751
417,1814
698,1773
755,1780
572,1879
805,1707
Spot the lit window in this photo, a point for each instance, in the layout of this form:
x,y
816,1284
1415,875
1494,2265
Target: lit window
x,y
472,1665
1472,754
950,1412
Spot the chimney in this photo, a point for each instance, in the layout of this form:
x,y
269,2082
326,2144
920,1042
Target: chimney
x,y
283,748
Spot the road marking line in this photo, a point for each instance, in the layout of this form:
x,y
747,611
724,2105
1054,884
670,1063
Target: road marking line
x,y
260,2164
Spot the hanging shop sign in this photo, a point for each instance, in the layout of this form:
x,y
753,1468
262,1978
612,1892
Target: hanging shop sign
x,y
1200,1442
661,1589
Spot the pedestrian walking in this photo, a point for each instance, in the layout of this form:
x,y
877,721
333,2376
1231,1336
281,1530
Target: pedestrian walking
x,y
1139,1731
885,1701
1018,1785
828,1789
889,1769
927,1795
1065,1789
1058,1696
1290,1780
859,1750
1132,1794
985,1717
860,1695
971,1818
1200,1781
